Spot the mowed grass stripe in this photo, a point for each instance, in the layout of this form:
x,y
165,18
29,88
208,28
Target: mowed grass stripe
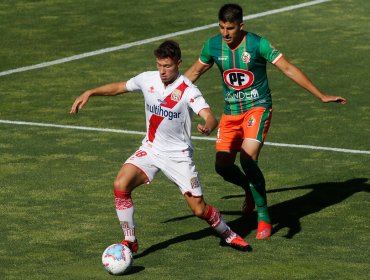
x,y
154,39
193,137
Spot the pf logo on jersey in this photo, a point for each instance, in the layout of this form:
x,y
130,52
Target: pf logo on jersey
x,y
238,78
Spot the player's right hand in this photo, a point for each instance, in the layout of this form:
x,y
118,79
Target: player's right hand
x,y
79,103
329,98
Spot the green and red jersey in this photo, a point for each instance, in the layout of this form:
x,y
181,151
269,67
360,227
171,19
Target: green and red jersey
x,y
243,71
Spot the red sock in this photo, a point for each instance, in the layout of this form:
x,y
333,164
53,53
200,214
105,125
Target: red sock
x,y
123,199
125,213
213,217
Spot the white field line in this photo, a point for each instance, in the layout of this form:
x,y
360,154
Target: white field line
x,y
154,39
194,137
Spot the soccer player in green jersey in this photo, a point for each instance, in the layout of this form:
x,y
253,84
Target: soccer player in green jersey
x,y
241,57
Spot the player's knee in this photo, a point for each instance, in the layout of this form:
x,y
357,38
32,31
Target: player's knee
x,y
225,172
220,170
120,185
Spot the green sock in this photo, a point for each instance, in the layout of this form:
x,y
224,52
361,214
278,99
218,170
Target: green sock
x,y
257,186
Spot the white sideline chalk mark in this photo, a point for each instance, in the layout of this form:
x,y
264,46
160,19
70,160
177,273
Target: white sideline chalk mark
x,y
154,39
193,137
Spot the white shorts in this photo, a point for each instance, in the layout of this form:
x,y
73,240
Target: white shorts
x,y
180,170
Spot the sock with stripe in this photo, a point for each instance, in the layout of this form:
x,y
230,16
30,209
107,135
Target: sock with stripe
x,y
125,213
213,217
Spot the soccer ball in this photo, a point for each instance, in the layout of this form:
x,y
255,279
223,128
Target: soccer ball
x,y
117,259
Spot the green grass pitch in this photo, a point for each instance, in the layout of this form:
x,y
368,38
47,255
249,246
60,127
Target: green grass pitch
x,y
56,184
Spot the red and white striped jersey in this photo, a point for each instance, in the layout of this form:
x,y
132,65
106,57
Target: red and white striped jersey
x,y
168,111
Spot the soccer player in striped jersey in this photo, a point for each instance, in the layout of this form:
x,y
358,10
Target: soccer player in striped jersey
x,y
241,56
170,100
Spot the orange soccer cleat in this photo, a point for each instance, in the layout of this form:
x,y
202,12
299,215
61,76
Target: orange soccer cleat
x,y
240,244
132,245
263,230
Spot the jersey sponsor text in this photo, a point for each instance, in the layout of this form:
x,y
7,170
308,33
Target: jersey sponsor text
x,y
241,95
160,111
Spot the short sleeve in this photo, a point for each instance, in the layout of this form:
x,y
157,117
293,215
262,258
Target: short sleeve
x,y
196,100
205,55
134,83
269,52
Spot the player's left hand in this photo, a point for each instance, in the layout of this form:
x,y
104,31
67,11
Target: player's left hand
x,y
203,129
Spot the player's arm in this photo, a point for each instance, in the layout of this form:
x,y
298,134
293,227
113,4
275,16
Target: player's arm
x,y
297,75
112,89
210,121
197,70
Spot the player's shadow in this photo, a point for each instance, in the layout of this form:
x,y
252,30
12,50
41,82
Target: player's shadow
x,y
135,269
286,214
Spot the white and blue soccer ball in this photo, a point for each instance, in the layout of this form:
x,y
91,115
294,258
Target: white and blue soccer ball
x,y
117,259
